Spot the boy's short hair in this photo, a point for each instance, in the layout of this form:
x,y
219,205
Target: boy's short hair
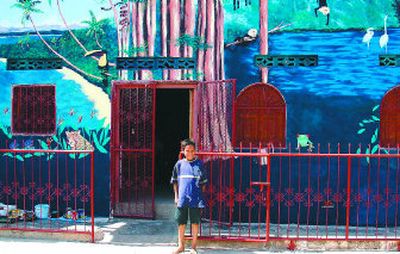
x,y
187,142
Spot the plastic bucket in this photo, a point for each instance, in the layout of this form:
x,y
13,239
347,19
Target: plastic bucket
x,y
42,211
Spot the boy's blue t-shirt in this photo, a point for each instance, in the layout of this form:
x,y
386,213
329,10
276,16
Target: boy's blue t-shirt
x,y
190,177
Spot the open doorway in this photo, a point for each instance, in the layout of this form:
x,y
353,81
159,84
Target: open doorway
x,y
172,126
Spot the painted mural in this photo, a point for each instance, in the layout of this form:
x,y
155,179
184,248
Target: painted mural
x,y
334,102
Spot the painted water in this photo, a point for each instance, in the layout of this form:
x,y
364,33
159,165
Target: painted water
x,y
327,101
346,66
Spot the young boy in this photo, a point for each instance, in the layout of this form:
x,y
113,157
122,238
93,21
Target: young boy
x,y
189,181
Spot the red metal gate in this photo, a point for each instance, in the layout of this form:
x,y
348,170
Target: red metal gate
x,y
132,150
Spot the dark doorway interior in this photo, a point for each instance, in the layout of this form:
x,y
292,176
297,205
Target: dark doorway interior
x,y
172,125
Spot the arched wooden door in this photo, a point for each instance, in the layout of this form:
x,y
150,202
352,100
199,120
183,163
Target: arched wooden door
x,y
260,116
390,118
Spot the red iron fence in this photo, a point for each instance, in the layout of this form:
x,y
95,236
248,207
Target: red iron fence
x,y
327,194
47,191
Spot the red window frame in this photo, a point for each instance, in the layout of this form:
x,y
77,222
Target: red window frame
x,y
261,116
33,110
390,119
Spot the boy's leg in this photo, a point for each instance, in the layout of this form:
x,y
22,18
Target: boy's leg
x,y
195,233
194,221
181,238
181,216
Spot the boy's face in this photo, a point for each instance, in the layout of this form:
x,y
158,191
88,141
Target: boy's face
x,y
188,151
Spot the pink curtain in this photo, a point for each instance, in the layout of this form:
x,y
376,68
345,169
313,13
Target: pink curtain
x,y
214,115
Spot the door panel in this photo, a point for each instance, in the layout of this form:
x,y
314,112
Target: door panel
x,y
132,170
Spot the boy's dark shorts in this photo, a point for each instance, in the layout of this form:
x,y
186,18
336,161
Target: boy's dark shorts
x,y
183,213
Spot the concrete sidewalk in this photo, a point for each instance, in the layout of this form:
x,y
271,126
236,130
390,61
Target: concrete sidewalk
x,y
9,246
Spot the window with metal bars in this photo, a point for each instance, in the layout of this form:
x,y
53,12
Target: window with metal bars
x,y
33,110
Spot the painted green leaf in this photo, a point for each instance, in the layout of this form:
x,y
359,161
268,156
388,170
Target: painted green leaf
x,y
367,152
28,155
50,157
375,108
360,131
105,141
358,150
376,131
375,148
373,139
385,151
98,146
61,129
361,124
64,145
19,157
43,144
5,131
38,154
375,118
71,155
9,155
365,121
55,138
103,136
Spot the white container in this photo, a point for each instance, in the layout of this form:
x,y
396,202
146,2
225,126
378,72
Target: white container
x,y
4,209
42,211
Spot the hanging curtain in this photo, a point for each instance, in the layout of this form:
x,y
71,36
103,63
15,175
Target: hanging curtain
x,y
213,115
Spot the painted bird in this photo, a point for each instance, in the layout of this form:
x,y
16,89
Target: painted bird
x,y
368,36
103,62
383,41
244,40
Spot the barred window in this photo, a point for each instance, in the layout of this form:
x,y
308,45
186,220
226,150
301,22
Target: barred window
x,y
33,110
261,116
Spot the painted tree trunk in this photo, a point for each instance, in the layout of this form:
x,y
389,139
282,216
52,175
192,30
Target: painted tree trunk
x,y
164,33
174,23
119,41
219,45
190,16
264,36
151,26
139,33
151,31
201,30
209,61
124,24
134,28
116,24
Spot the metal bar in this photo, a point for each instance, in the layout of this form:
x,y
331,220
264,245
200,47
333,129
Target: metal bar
x,y
348,196
153,143
268,201
92,193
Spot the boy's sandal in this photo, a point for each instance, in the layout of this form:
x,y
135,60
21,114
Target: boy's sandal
x,y
193,251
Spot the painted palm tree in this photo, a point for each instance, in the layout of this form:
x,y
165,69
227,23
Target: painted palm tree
x,y
28,7
95,27
70,30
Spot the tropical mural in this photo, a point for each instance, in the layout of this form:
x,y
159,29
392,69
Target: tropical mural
x,y
334,102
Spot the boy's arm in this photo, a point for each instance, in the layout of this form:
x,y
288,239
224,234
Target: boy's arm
x,y
176,192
